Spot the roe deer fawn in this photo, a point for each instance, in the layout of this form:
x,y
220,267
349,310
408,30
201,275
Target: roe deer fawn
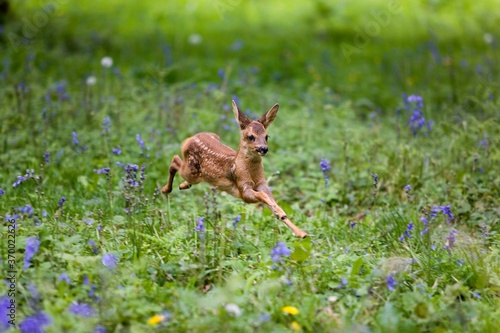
x,y
241,174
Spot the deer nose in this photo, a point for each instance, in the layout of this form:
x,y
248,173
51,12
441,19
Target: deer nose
x,y
262,150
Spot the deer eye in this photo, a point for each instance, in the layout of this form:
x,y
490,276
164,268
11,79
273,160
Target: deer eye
x,y
251,138
267,137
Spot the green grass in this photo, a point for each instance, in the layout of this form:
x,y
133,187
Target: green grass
x,y
348,111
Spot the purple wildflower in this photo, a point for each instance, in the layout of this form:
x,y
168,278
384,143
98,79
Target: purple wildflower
x,y
14,217
391,283
61,202
20,179
32,246
131,176
220,73
140,141
109,260
28,210
117,150
375,180
407,190
102,171
2,192
64,277
200,227
93,245
417,120
106,124
236,220
280,250
35,323
46,157
325,166
352,224
450,240
447,211
100,329
476,295
75,139
143,170
5,309
409,228
82,309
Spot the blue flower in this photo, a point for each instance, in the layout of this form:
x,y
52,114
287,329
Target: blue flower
x,y
280,250
20,179
200,227
109,260
140,141
75,138
106,124
100,329
450,240
352,224
35,323
391,283
375,180
32,246
46,157
28,210
447,211
64,277
93,245
236,220
102,171
2,192
61,202
407,189
82,309
417,120
5,310
325,166
117,150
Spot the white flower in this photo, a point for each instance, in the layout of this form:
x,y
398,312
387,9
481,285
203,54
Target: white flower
x,y
91,80
106,62
488,38
195,39
233,310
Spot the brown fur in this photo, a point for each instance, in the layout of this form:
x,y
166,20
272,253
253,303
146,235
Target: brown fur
x,y
239,173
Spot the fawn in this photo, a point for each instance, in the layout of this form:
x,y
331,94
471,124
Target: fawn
x,y
241,173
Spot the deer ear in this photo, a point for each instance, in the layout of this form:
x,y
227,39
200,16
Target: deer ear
x,y
267,118
242,120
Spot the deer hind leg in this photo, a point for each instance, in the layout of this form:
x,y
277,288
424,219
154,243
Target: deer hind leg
x,y
249,195
175,165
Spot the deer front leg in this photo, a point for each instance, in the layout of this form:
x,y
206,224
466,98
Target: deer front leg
x,y
248,194
175,165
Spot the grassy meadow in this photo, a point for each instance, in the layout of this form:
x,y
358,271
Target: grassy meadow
x,y
385,150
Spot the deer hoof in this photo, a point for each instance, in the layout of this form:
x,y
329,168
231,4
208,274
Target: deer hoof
x,y
284,217
165,190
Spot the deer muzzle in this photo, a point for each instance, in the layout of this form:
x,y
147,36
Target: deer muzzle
x,y
262,150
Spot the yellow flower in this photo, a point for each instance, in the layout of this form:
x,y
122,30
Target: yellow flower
x,y
290,310
156,319
295,326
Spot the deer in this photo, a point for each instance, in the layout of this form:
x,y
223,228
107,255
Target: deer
x,y
239,173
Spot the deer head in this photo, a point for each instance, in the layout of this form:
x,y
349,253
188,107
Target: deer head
x,y
253,132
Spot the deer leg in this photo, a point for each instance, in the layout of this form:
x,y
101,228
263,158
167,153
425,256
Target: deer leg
x,y
184,185
175,165
249,195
